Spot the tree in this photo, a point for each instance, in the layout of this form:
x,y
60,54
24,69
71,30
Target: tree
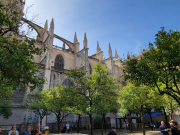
x,y
77,105
159,65
170,105
92,87
16,54
37,102
106,100
106,105
58,102
5,104
137,98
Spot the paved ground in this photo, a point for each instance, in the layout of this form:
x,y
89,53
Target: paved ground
x,y
120,132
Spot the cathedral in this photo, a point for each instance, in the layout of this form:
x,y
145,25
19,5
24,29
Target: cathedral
x,y
56,59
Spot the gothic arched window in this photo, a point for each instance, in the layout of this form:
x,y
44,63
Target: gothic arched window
x,y
67,83
59,62
90,69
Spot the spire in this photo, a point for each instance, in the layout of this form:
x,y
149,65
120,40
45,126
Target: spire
x,y
116,55
131,54
110,51
85,41
75,38
63,46
98,48
51,29
128,54
123,57
46,25
141,49
145,48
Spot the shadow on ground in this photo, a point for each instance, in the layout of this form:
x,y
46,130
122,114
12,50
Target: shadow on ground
x,y
120,132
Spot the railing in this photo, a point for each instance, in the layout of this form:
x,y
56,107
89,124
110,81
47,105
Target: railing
x,y
61,48
57,47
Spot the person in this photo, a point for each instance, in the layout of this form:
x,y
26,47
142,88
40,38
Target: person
x,y
163,128
37,131
113,132
46,130
125,129
151,126
69,130
128,127
0,129
63,129
154,125
67,126
174,123
174,130
39,126
27,132
13,131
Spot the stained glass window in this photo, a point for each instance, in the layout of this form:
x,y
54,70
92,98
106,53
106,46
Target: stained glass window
x,y
59,62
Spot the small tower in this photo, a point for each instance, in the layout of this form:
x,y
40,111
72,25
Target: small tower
x,y
128,55
63,48
99,54
145,48
141,50
76,43
123,57
110,51
46,26
51,29
116,55
98,48
85,41
75,38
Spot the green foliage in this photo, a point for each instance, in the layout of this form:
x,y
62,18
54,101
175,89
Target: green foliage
x,y
36,101
132,97
170,105
93,91
5,104
16,56
58,101
94,94
159,65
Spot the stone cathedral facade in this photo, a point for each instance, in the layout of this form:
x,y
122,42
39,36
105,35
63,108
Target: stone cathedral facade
x,y
60,58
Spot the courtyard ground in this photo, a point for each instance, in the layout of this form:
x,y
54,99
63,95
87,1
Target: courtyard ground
x,y
120,132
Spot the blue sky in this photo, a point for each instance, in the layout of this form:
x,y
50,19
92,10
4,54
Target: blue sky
x,y
126,24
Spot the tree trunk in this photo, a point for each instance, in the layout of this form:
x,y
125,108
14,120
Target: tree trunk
x,y
131,123
91,122
142,120
41,120
79,116
150,117
102,124
165,116
58,122
105,124
171,111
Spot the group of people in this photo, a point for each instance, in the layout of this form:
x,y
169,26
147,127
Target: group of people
x,y
126,127
174,128
28,131
65,128
163,128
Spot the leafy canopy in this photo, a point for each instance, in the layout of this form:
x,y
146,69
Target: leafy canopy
x,y
158,65
16,56
132,97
